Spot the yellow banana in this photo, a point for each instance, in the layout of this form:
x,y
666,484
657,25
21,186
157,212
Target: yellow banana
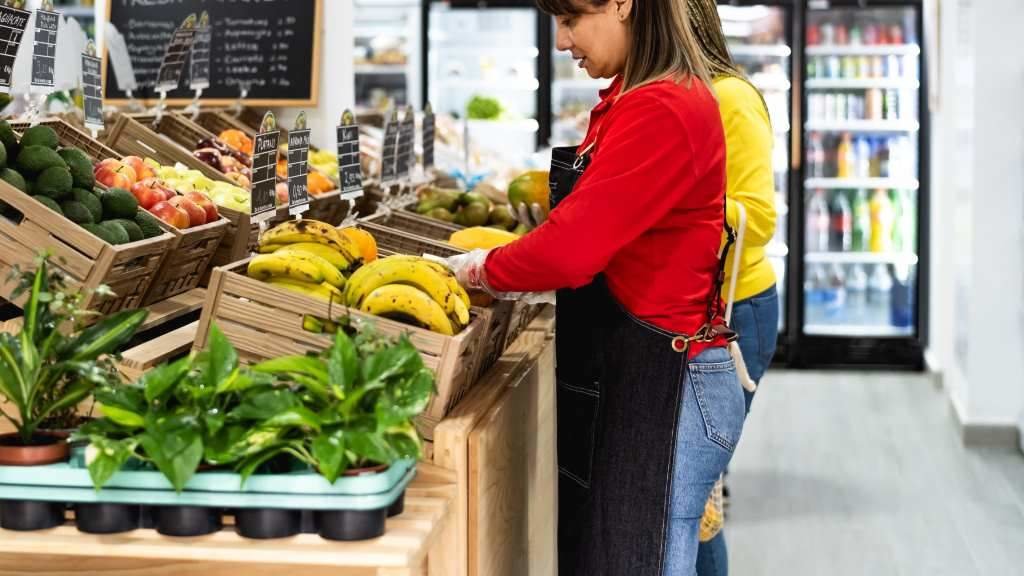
x,y
270,248
328,272
312,324
399,271
404,302
267,266
332,255
324,291
461,314
444,272
296,231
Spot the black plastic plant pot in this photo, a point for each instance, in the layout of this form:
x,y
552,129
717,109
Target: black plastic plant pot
x,y
308,522
349,525
107,518
398,507
27,515
187,520
266,523
148,517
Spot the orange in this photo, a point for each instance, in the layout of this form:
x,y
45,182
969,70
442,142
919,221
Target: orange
x,y
364,240
318,183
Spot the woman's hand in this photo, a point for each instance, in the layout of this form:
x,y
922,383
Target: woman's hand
x,y
471,273
530,216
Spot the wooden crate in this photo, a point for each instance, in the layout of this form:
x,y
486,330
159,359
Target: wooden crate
x,y
264,321
188,260
217,121
407,221
69,135
128,269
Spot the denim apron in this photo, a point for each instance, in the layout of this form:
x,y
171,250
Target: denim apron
x,y
619,398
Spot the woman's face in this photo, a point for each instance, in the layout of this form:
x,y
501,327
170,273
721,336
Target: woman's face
x,y
598,38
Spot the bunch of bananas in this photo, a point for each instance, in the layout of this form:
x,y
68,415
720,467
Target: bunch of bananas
x,y
306,256
412,290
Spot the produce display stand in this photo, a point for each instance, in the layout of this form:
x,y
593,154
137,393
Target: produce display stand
x,y
167,334
407,220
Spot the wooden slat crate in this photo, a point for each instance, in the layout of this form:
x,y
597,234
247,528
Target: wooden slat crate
x,y
408,221
69,135
128,269
217,121
263,321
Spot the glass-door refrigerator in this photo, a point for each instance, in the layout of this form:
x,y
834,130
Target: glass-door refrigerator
x,y
483,65
863,202
387,46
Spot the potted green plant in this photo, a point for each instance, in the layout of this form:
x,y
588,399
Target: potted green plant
x,y
50,366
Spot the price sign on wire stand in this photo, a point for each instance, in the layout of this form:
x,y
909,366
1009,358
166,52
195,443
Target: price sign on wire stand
x,y
406,144
199,79
389,150
92,89
350,169
264,170
173,64
298,167
44,48
13,22
428,134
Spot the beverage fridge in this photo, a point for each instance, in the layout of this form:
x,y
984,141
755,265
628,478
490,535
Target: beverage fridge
x,y
862,202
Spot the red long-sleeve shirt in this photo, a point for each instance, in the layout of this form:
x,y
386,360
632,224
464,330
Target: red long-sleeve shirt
x,y
647,212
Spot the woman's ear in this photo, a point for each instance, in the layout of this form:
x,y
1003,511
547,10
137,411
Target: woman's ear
x,y
623,8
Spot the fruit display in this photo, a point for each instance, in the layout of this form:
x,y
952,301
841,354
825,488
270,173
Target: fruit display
x,y
463,208
185,181
237,139
306,256
481,237
317,183
233,162
531,188
324,161
175,201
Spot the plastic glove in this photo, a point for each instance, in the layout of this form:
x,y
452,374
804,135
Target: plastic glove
x,y
470,271
530,216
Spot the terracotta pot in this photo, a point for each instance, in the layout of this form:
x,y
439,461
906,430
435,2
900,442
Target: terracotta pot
x,y
46,448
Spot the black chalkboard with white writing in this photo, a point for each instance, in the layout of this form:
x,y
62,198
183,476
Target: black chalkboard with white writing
x,y
270,47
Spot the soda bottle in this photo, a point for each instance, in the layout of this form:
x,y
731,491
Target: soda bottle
x,y
855,35
841,107
812,67
856,294
879,296
816,157
828,34
896,34
841,237
852,103
863,67
892,110
893,66
871,34
876,168
835,294
884,166
846,162
813,34
901,306
873,104
878,67
849,67
861,222
831,113
905,229
834,67
863,155
842,37
817,223
881,222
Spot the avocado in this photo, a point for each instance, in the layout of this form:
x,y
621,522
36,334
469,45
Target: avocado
x,y
14,179
49,203
34,159
80,165
9,139
54,182
148,223
77,212
100,232
119,203
134,231
3,157
117,232
39,135
90,201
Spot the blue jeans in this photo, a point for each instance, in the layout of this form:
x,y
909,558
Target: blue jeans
x,y
707,432
756,319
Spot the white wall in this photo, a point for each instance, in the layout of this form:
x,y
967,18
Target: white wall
x,y
977,281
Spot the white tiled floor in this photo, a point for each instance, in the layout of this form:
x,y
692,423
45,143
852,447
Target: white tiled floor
x,y
864,474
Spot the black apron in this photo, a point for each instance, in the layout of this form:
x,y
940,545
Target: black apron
x,y
619,399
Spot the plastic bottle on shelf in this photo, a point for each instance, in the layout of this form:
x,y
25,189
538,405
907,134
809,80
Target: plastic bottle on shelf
x,y
855,35
873,104
879,296
842,34
833,67
813,34
863,67
841,229
863,154
815,156
812,66
875,166
904,229
831,143
871,34
815,106
817,223
854,106
901,305
831,114
893,67
882,219
896,34
842,109
884,166
877,67
856,295
828,36
835,294
861,237
849,67
846,162
892,109
815,285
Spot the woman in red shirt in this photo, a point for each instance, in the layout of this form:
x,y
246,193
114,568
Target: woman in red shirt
x,y
649,406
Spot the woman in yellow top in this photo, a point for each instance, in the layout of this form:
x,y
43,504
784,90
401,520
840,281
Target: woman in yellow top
x,y
749,180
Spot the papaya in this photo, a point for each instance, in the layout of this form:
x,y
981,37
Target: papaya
x,y
531,188
481,237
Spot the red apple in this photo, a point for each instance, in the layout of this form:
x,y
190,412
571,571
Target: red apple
x,y
116,175
204,202
139,166
196,215
162,187
148,192
170,214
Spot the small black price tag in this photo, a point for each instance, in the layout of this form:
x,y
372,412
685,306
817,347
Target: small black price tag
x,y
12,28
389,152
92,91
44,48
428,129
350,170
298,167
264,170
406,144
199,78
173,64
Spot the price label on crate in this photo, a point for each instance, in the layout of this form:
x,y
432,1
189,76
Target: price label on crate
x,y
92,88
173,64
406,144
12,27
298,167
428,133
389,149
199,79
44,50
264,170
350,169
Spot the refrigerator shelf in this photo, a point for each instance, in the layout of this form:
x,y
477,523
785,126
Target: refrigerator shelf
x,y
898,258
581,83
771,83
876,126
858,330
858,83
746,50
508,84
852,183
863,50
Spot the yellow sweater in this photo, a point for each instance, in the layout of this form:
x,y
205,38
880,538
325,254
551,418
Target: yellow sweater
x,y
749,180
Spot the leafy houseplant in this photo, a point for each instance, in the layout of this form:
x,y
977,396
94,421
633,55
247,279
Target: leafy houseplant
x,y
350,406
54,363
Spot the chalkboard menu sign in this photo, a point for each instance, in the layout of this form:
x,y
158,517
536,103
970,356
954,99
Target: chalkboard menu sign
x,y
406,143
350,170
264,170
44,48
389,149
298,167
12,28
176,55
271,46
92,90
429,131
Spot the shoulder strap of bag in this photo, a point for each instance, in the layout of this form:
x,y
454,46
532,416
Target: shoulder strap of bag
x,y
741,226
